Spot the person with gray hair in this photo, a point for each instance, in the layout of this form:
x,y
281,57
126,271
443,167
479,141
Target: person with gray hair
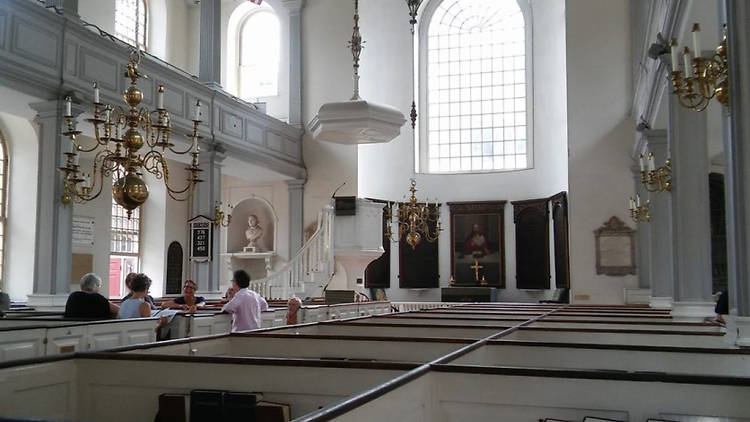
x,y
88,303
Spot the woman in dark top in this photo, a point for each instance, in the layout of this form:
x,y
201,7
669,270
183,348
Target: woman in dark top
x,y
88,303
188,301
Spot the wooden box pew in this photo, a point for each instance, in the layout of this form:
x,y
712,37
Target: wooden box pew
x,y
361,348
520,314
681,360
630,325
451,393
631,337
125,387
390,330
21,343
68,336
459,315
407,320
202,323
574,317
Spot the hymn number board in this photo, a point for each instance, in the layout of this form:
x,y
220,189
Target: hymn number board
x,y
200,238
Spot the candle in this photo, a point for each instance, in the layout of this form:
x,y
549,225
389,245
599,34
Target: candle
x,y
68,105
106,114
96,93
160,98
640,162
697,39
197,115
637,200
675,56
650,162
688,63
631,203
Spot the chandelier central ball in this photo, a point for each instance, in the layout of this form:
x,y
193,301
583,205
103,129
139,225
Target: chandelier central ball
x,y
133,141
133,96
130,191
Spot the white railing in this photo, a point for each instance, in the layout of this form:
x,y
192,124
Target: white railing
x,y
315,257
417,306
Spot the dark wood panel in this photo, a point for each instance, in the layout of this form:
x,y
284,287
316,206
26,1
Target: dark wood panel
x,y
174,268
532,244
418,267
719,270
378,272
559,205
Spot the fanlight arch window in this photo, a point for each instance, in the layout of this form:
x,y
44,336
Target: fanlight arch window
x,y
259,49
475,93
130,22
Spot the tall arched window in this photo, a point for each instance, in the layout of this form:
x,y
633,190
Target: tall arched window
x,y
259,47
474,86
130,22
3,205
125,246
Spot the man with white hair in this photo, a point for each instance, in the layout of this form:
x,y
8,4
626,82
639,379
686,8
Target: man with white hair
x,y
88,303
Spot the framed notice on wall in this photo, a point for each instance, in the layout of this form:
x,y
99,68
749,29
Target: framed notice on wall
x,y
200,238
83,231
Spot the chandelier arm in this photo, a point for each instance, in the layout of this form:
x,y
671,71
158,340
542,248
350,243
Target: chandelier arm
x,y
163,173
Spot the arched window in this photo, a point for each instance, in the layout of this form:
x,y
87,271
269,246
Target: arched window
x,y
258,62
474,86
253,52
3,204
125,246
130,22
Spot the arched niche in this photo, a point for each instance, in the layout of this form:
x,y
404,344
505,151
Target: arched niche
x,y
267,220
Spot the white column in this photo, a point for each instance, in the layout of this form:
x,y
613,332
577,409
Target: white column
x,y
737,155
295,61
296,189
52,263
662,257
205,197
691,225
209,67
642,237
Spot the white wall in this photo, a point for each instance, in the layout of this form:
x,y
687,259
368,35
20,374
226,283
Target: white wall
x,y
20,230
600,134
383,170
326,77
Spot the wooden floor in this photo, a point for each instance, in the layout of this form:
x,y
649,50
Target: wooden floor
x,y
499,361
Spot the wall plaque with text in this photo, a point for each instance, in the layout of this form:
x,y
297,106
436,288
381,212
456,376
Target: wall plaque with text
x,y
200,238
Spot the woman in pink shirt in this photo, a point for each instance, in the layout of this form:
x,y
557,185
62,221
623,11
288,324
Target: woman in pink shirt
x,y
246,305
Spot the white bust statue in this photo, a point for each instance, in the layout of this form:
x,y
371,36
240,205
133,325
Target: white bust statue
x,y
253,232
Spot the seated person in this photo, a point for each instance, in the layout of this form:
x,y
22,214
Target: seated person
x,y
292,308
188,301
148,298
88,303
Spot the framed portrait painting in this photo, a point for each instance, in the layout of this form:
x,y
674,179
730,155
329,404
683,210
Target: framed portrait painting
x,y
478,243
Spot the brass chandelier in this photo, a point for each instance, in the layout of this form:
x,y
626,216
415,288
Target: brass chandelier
x,y
118,142
702,78
414,220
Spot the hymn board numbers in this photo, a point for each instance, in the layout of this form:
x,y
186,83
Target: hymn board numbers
x,y
200,238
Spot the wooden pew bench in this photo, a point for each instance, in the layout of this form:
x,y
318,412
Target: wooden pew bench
x,y
629,337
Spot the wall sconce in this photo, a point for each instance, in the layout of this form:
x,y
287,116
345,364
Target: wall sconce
x,y
656,179
703,78
638,212
221,218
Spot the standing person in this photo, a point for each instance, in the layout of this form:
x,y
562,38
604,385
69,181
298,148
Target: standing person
x,y
246,305
88,303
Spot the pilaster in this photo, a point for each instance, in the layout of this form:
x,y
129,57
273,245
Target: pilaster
x,y
209,67
737,157
296,189
52,262
642,237
205,197
662,256
294,8
691,226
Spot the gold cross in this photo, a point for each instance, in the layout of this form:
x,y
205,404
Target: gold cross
x,y
476,267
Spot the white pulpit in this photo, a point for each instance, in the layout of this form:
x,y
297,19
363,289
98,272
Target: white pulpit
x,y
358,240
